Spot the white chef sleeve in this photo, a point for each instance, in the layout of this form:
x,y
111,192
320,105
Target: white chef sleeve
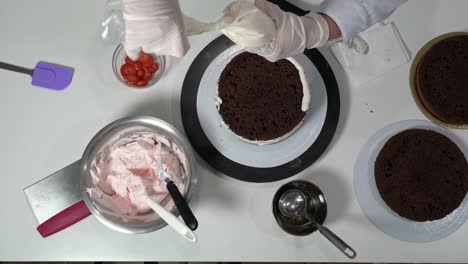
x,y
354,16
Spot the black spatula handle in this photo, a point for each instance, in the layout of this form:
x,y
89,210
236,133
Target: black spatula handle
x,y
288,7
182,206
15,68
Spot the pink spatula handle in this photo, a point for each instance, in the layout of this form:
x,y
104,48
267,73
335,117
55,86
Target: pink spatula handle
x,y
64,219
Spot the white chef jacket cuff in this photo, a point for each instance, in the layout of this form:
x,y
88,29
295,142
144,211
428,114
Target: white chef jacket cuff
x,y
354,16
349,15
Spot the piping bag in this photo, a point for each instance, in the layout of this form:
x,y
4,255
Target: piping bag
x,y
242,22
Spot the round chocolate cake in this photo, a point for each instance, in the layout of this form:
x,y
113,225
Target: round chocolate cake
x,y
260,100
442,78
421,175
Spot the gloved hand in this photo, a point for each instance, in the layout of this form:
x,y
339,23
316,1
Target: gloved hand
x,y
294,34
156,26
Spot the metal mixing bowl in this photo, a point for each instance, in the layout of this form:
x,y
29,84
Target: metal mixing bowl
x,y
148,221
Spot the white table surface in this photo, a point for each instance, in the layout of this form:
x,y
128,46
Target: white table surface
x,y
45,130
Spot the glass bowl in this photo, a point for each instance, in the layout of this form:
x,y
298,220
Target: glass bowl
x,y
118,59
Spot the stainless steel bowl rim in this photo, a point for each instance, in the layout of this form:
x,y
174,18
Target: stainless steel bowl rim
x,y
136,121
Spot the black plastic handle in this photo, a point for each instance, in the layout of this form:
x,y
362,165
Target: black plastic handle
x,y
288,7
182,206
11,67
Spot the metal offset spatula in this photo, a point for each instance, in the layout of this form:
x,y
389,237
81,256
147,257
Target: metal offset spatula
x,y
47,75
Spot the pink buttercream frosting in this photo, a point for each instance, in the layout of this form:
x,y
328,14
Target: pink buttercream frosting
x,y
125,172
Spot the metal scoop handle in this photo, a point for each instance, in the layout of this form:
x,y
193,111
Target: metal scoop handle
x,y
335,240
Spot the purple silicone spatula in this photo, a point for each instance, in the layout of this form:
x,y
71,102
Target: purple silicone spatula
x,y
45,74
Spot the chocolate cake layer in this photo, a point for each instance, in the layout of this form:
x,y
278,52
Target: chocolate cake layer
x,y
261,100
421,175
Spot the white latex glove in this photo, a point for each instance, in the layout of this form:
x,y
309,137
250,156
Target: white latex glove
x,y
156,26
293,33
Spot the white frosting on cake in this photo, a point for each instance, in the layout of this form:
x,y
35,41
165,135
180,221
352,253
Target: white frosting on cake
x,y
305,85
